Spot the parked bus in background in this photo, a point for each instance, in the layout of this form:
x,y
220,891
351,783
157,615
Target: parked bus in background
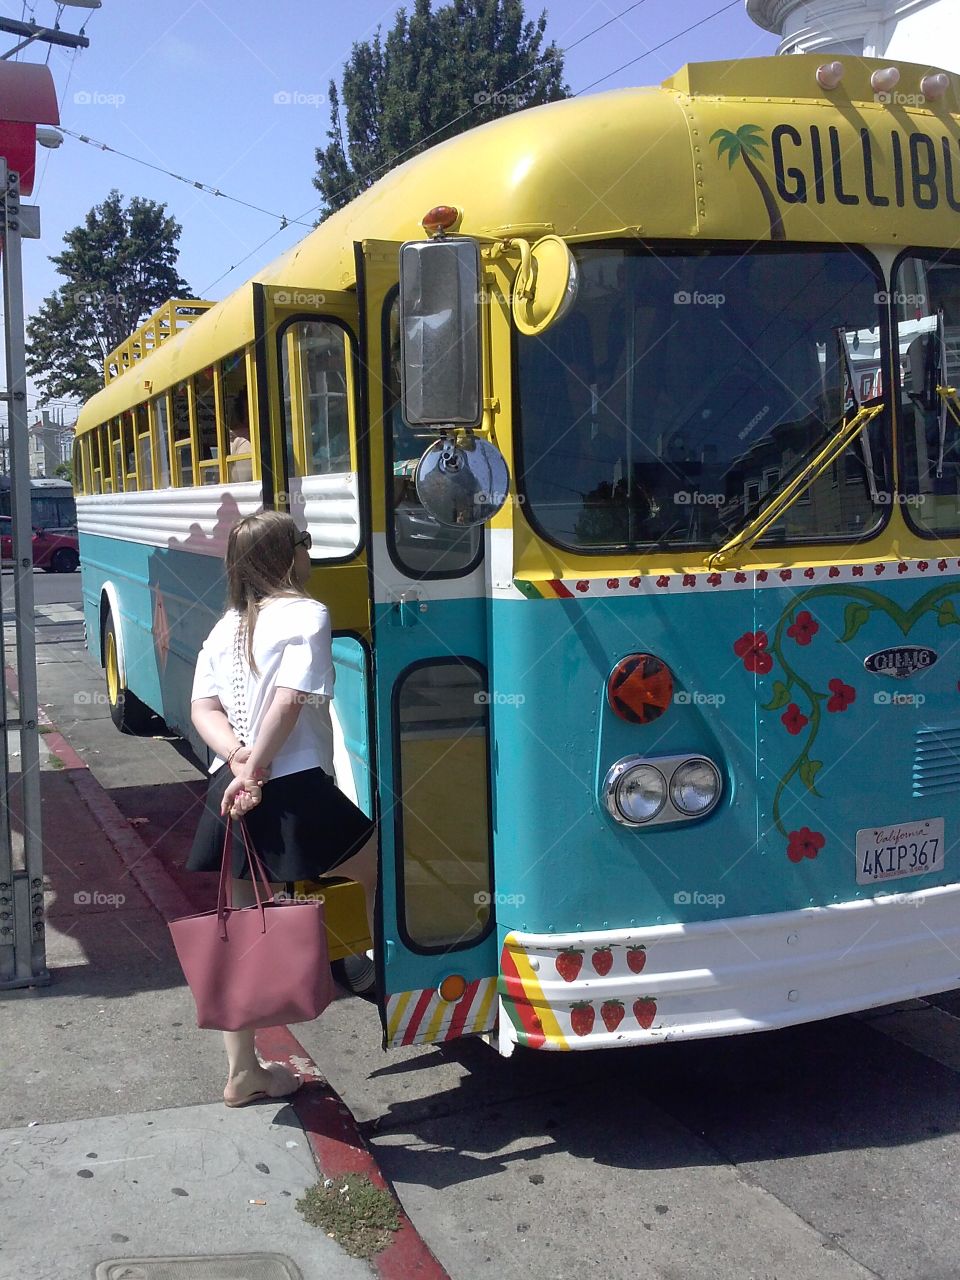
x,y
52,504
626,432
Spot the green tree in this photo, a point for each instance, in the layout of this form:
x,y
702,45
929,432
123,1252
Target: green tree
x,y
64,471
119,265
436,75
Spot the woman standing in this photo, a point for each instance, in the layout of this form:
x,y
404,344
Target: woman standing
x,y
261,696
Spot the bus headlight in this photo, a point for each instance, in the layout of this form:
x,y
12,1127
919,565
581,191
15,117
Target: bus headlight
x,y
635,792
695,787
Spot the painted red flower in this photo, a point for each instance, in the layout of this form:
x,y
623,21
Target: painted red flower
x,y
835,572
786,574
902,568
878,569
715,579
941,565
762,575
809,573
583,586
793,719
634,582
804,628
752,648
843,695
613,583
923,566
858,570
689,579
739,577
663,581
804,844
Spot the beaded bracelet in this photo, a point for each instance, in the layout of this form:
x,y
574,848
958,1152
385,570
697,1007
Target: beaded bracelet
x,y
231,755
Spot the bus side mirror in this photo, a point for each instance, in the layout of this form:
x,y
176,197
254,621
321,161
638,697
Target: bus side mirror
x,y
440,332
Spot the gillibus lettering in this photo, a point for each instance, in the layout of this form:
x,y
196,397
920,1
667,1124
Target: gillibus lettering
x,y
815,167
624,577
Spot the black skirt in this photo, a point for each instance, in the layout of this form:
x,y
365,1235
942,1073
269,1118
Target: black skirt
x,y
303,827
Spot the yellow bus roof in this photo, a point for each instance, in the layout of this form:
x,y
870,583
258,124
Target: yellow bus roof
x,y
749,150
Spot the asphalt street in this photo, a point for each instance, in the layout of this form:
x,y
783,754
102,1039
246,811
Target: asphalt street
x,y
827,1151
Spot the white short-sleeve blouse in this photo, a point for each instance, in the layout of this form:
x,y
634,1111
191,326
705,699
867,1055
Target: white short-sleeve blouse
x,y
291,649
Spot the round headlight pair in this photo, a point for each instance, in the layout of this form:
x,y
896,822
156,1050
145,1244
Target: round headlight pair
x,y
637,791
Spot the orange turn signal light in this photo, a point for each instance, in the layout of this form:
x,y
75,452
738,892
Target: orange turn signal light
x,y
440,218
640,688
452,987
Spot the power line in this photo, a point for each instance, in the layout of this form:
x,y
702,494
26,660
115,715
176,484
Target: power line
x,y
190,182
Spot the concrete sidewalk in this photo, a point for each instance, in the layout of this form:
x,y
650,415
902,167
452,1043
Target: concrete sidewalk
x,y
115,1145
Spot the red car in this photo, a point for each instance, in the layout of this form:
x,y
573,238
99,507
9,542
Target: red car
x,y
54,550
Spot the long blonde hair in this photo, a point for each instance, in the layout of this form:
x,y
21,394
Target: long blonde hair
x,y
261,550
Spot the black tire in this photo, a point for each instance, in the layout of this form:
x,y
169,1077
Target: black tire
x,y
356,974
127,712
65,560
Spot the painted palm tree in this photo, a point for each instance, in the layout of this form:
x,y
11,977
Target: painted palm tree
x,y
745,145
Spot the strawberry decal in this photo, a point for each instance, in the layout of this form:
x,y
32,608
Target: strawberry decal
x,y
568,963
602,960
636,958
645,1010
611,1011
582,1017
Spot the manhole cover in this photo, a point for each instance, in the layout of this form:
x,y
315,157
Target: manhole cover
x,y
220,1266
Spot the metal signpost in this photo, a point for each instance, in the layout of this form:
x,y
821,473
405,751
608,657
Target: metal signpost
x,y
22,933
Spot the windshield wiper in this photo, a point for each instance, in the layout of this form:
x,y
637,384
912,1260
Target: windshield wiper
x,y
770,512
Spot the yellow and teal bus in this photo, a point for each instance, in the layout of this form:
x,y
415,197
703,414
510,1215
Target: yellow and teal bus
x,y
626,432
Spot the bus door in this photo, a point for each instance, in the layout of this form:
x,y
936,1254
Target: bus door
x,y
315,466
436,946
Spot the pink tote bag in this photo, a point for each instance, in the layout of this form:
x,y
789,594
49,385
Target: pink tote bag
x,y
260,966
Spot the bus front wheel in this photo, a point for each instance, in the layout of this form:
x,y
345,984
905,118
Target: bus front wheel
x,y
127,712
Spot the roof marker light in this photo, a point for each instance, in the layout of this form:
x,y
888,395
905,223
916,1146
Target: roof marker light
x,y
829,74
885,80
440,218
933,87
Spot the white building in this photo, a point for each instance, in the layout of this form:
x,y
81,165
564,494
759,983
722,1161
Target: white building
x,y
922,31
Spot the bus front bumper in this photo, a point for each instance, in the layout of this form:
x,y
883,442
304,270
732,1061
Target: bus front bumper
x,y
649,985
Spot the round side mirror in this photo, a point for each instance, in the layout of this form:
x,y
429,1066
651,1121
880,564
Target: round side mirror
x,y
462,482
546,285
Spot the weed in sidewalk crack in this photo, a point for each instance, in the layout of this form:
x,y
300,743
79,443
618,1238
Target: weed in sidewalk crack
x,y
358,1215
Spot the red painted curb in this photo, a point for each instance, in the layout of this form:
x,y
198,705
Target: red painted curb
x,y
336,1143
54,739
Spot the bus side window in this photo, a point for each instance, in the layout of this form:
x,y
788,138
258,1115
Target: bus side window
x,y
236,408
443,734
96,463
182,440
313,370
208,436
141,418
116,456
129,436
161,425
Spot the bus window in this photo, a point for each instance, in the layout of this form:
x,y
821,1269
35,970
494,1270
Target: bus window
x,y
161,425
420,543
315,413
442,733
128,429
117,468
645,418
96,465
236,408
141,419
182,440
927,300
205,400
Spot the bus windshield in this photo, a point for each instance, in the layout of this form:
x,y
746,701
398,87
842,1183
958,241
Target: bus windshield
x,y
684,385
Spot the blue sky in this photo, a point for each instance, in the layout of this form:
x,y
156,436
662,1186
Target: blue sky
x,y
191,86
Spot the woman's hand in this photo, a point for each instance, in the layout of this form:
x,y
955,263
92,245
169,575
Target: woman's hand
x,y
242,795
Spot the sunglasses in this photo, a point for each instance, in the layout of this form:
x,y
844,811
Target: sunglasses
x,y
304,541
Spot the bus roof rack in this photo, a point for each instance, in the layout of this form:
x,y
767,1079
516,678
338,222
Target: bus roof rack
x,y
173,316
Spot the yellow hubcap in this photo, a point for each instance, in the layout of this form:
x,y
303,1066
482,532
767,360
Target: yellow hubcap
x,y
113,671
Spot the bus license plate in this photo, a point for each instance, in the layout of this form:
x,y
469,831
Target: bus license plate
x,y
908,849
